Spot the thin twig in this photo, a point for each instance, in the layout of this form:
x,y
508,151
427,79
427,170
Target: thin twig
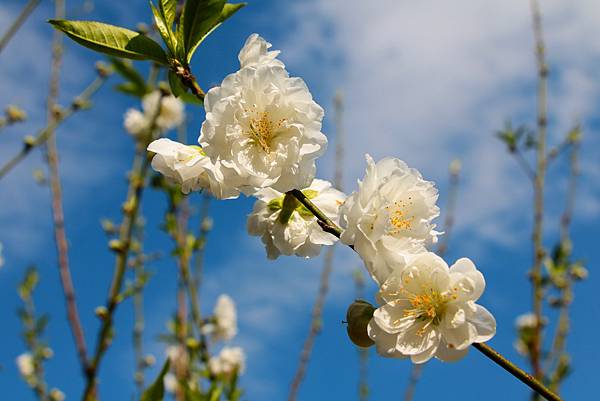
x,y
122,247
60,233
517,372
562,329
453,180
42,135
317,312
540,174
19,21
138,308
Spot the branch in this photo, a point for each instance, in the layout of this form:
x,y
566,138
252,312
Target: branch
x,y
58,217
42,135
122,247
539,182
25,13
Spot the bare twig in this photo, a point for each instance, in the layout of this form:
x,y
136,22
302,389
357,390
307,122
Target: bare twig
x,y
122,247
60,233
539,182
316,323
18,22
557,353
42,135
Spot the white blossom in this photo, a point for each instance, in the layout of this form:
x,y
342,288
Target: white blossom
x,y
263,127
224,326
300,235
170,115
390,216
26,364
256,52
230,359
429,310
189,167
527,321
135,122
170,382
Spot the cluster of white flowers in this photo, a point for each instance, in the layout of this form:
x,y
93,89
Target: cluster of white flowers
x,y
229,360
427,309
224,326
261,137
169,114
292,229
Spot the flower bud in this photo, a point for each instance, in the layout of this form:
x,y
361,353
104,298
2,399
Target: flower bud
x,y
101,312
103,69
455,167
56,395
358,316
207,224
14,114
579,272
149,360
47,353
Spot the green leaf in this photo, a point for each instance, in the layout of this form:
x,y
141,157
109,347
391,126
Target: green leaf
x,y
112,40
198,18
164,28
228,10
156,391
168,8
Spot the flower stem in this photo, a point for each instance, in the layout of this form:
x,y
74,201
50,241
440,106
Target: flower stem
x,y
517,372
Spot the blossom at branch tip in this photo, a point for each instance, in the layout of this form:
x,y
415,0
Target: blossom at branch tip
x,y
26,364
189,167
428,310
262,126
287,227
229,360
390,216
224,325
171,114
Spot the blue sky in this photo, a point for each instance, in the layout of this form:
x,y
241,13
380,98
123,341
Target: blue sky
x,y
423,81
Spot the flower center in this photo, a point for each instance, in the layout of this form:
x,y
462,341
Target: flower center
x,y
400,218
428,306
263,130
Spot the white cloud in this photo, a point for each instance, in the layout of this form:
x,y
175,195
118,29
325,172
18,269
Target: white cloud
x,y
430,81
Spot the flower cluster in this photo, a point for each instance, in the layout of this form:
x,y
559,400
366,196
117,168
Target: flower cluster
x,y
261,137
427,308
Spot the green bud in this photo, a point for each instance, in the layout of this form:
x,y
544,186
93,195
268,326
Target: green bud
x,y
101,312
14,114
358,316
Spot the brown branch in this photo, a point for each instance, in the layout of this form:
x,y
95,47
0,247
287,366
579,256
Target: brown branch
x,y
539,182
19,21
60,233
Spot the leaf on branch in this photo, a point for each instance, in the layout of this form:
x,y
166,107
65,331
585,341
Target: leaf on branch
x,y
112,40
228,10
168,8
164,28
198,17
156,391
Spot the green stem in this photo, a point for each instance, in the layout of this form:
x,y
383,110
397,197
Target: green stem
x,y
517,372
